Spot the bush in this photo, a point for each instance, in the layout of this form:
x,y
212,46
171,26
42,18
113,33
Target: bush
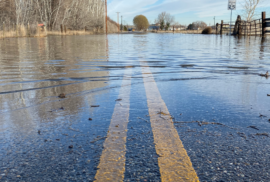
x,y
207,30
141,22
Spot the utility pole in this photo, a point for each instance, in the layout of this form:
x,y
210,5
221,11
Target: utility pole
x,y
118,20
106,17
214,20
121,23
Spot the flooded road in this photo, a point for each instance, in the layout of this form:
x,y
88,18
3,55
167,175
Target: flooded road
x,y
138,107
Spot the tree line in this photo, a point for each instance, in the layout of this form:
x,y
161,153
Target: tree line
x,y
197,25
165,20
75,14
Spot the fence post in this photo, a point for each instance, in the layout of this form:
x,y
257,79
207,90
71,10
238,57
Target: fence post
x,y
61,27
263,23
221,27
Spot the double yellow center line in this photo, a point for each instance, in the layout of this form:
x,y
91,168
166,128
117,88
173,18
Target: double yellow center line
x,y
112,161
173,161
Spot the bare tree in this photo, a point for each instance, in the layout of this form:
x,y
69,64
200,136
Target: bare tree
x,y
7,16
169,20
176,23
83,13
165,20
198,25
75,14
24,11
249,8
161,17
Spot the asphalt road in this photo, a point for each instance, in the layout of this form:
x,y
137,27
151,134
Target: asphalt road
x,y
138,112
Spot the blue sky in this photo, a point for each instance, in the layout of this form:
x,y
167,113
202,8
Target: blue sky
x,y
185,11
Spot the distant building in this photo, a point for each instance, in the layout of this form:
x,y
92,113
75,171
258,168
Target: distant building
x,y
177,27
153,27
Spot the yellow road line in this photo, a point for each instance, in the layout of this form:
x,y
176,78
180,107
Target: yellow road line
x,y
112,160
173,161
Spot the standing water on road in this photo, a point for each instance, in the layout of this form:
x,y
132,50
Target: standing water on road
x,y
206,89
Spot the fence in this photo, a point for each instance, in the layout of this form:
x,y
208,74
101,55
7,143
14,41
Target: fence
x,y
258,27
251,28
267,26
224,27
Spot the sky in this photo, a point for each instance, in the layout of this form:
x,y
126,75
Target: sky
x,y
184,11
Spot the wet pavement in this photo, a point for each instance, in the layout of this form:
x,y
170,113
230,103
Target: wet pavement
x,y
196,102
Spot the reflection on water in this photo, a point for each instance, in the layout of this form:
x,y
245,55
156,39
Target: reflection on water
x,y
37,63
34,71
37,70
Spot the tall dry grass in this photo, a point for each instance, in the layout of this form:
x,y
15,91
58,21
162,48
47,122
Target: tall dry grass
x,y
70,32
22,31
35,31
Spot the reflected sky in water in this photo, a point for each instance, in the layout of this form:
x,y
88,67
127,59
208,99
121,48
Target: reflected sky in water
x,y
34,71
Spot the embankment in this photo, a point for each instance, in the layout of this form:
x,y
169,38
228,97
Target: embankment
x,y
41,31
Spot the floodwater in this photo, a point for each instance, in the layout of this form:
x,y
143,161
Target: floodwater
x,y
209,79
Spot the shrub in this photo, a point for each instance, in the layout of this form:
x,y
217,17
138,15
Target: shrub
x,y
207,30
141,22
